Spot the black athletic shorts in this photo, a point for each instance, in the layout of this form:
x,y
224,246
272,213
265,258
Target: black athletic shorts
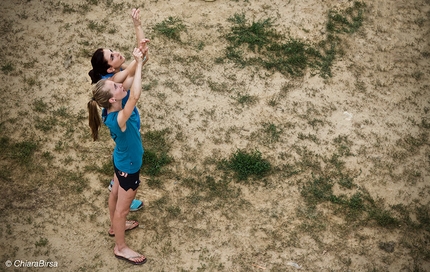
x,y
126,180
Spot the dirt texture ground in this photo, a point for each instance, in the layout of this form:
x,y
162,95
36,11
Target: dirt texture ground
x,y
377,100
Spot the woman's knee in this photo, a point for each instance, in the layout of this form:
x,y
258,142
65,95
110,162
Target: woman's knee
x,y
122,211
114,193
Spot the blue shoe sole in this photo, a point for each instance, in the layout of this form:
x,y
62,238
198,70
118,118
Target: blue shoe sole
x,y
136,204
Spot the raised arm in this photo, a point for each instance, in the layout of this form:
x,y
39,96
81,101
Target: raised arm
x,y
120,77
130,77
135,91
128,70
135,16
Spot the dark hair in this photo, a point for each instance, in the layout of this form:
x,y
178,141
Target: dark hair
x,y
100,66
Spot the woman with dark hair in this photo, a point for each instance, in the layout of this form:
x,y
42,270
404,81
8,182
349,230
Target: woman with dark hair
x,y
111,64
123,123
100,66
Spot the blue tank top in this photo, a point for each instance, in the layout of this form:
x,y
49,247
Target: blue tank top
x,y
128,151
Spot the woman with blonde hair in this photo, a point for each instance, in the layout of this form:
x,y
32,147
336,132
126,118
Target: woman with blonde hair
x,y
124,124
109,64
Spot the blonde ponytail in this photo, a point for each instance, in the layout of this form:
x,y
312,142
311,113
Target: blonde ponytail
x,y
100,98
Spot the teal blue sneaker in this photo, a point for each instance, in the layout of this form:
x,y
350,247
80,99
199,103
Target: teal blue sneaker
x,y
110,185
136,204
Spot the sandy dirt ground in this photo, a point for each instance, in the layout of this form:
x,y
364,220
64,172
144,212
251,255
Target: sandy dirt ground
x,y
378,97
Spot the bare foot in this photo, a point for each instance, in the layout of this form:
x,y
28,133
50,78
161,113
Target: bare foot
x,y
129,255
129,225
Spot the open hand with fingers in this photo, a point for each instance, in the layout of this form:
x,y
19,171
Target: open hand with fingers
x,y
135,15
143,47
138,55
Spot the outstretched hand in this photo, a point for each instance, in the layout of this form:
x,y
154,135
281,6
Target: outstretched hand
x,y
135,15
137,54
143,46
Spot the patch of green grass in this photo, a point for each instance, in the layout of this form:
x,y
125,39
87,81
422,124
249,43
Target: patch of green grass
x,y
236,55
155,140
412,143
153,162
93,2
290,57
310,137
209,189
258,43
425,123
151,85
219,87
195,76
155,183
289,170
383,218
96,27
32,81
62,112
160,203
245,99
156,152
114,7
423,216
272,131
67,9
417,75
309,161
245,164
319,189
313,221
72,182
219,189
171,28
425,54
356,203
112,30
21,152
23,15
274,101
343,145
106,168
84,8
173,211
315,122
8,68
45,124
345,180
347,21
40,106
47,156
256,36
200,45
41,242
